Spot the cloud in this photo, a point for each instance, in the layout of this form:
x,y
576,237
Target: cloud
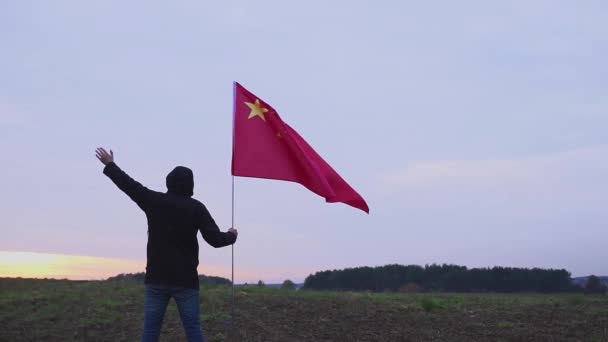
x,y
562,190
442,172
581,167
12,117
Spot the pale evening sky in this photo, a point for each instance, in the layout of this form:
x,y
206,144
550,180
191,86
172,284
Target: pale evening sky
x,y
475,130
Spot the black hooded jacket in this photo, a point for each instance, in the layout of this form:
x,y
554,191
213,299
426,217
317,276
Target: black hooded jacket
x,y
174,219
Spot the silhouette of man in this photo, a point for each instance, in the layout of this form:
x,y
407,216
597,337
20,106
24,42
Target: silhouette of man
x,y
174,219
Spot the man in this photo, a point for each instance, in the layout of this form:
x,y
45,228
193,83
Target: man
x,y
174,219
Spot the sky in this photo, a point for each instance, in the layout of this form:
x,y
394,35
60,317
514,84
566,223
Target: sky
x,y
475,130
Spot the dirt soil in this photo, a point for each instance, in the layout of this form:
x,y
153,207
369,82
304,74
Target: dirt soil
x,y
61,310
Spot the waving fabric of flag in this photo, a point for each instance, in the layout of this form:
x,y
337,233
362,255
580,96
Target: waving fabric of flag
x,y
264,146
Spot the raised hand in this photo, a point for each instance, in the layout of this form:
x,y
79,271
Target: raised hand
x,y
103,156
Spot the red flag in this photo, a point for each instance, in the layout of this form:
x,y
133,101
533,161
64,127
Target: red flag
x,y
264,146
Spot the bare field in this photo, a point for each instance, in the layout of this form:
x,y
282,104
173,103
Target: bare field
x,y
60,310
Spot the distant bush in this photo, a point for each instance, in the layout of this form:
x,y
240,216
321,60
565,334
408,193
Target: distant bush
x,y
261,284
288,285
213,280
137,277
594,286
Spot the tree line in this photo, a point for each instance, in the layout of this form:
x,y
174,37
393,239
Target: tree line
x,y
140,277
451,278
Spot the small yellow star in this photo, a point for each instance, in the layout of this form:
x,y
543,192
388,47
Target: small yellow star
x,y
256,109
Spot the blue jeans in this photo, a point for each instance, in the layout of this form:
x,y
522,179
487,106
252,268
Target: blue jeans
x,y
156,300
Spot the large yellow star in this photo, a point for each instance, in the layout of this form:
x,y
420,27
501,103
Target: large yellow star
x,y
256,109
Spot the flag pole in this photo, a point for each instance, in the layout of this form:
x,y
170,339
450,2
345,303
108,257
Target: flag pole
x,y
232,247
232,250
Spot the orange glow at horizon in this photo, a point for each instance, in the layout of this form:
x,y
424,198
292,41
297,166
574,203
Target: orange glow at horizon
x,y
44,265
76,267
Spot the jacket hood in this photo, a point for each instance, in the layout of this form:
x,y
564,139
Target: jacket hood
x,y
180,181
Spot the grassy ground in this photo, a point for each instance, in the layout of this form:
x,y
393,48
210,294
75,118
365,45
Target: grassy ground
x,y
55,310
